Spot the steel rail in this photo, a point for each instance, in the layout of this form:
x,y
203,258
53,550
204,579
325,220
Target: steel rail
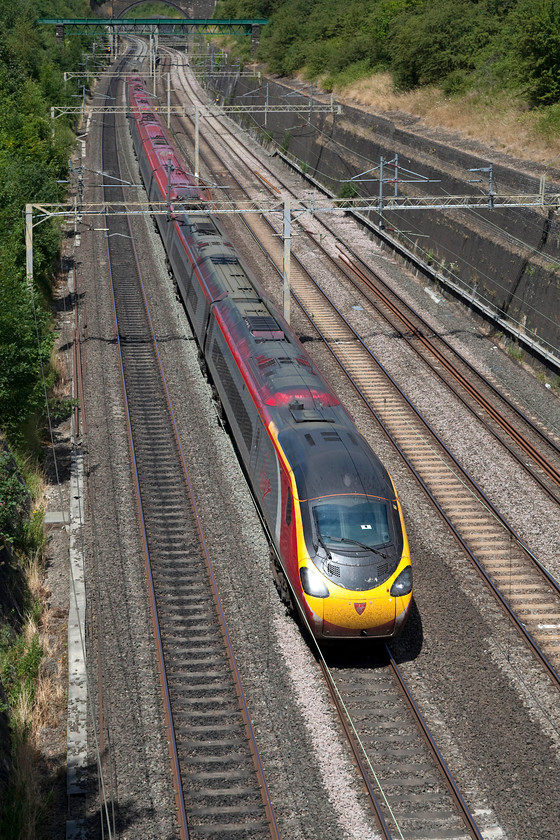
x,y
452,786
491,410
436,752
553,673
330,683
171,740
554,474
529,449
249,730
251,737
522,442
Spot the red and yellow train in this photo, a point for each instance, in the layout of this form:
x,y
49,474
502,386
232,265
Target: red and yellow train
x,y
333,515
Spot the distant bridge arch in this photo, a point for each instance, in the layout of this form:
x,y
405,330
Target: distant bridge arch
x,y
188,8
121,7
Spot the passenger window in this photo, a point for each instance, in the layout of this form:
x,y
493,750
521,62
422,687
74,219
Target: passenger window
x,y
289,509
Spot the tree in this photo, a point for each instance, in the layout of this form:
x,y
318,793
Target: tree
x,y
537,24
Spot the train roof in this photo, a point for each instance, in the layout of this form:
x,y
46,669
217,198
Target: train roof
x,y
333,460
284,377
287,382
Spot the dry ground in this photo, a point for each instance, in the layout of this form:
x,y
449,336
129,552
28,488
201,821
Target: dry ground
x,y
499,122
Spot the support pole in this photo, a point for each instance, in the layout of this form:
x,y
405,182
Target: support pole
x,y
152,63
266,106
286,261
168,191
542,187
156,48
168,100
196,142
29,245
381,222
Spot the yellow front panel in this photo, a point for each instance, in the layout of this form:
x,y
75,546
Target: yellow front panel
x,y
359,613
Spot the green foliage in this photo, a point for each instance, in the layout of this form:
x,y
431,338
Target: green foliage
x,y
432,41
14,499
160,10
537,39
20,658
457,44
515,352
348,75
33,162
347,192
548,122
60,408
285,144
456,83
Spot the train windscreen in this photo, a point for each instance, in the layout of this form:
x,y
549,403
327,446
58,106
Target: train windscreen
x,y
353,520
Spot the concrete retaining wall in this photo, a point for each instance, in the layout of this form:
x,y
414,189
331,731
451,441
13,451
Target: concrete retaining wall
x,y
509,258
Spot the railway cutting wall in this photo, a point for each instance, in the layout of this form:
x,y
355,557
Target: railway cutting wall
x,y
509,258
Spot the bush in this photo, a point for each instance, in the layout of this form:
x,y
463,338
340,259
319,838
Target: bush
x,y
346,193
350,74
433,41
20,658
536,38
14,499
548,122
456,83
33,162
458,44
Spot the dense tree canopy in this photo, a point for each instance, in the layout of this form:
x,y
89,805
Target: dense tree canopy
x,y
454,43
33,163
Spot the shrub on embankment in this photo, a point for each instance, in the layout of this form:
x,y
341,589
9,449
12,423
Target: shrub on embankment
x,y
491,46
34,155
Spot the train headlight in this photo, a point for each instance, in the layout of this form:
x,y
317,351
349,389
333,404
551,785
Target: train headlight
x,y
313,583
403,584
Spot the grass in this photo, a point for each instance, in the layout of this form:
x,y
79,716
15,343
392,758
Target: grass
x,y
32,698
515,352
499,120
35,703
20,660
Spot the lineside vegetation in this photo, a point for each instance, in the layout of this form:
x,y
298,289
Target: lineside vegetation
x,y
34,164
490,47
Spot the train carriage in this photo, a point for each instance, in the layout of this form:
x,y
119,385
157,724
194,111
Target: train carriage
x,y
330,507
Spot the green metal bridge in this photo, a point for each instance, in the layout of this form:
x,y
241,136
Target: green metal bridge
x,y
165,26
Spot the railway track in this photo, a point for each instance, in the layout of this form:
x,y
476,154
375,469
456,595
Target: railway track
x,y
219,783
528,593
414,792
410,796
533,450
413,326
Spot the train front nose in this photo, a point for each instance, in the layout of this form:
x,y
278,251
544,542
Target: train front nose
x,y
360,617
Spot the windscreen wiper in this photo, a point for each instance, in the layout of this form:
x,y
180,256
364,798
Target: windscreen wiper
x,y
355,542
